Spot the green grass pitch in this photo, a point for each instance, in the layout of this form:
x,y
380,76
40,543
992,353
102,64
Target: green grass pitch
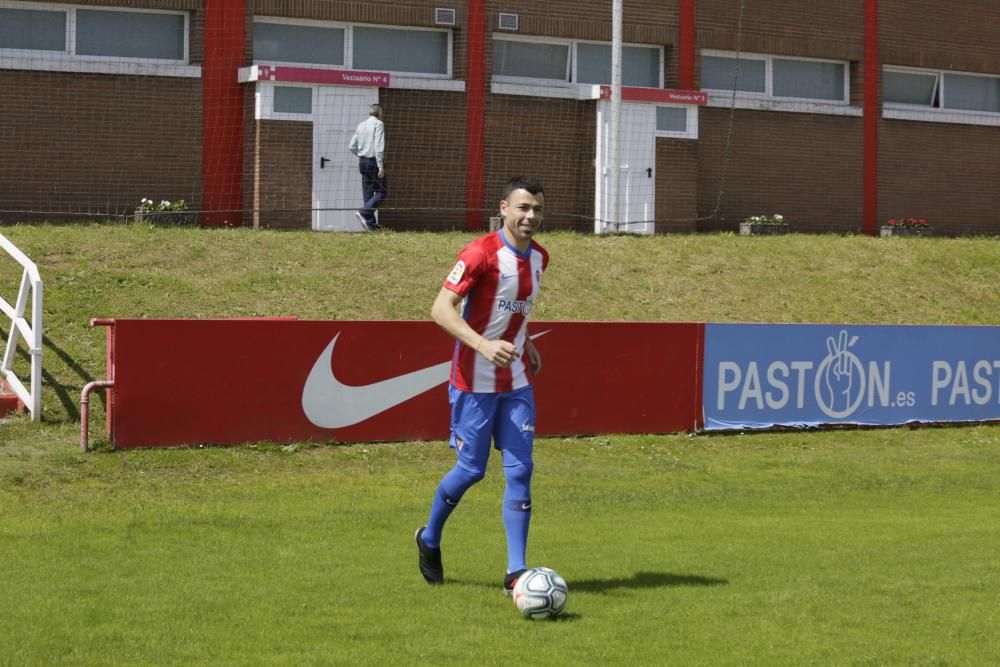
x,y
842,547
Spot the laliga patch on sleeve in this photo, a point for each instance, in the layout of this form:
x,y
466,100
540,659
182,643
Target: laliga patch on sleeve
x,y
456,273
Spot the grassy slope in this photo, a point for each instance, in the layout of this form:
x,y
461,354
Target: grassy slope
x,y
141,271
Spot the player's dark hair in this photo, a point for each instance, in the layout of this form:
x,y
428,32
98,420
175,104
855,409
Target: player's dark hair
x,y
529,183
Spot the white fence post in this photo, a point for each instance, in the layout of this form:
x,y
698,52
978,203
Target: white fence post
x,y
20,327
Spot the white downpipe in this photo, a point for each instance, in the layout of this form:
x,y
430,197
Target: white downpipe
x,y
85,409
20,327
614,122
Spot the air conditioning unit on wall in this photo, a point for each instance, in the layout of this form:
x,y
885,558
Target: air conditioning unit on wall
x,y
444,16
507,21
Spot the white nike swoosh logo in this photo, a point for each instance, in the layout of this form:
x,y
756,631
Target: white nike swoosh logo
x,y
329,403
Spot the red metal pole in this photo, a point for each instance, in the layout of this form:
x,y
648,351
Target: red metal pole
x,y
871,119
222,114
685,46
475,111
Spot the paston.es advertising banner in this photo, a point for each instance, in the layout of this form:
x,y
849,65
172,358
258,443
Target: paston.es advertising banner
x,y
763,375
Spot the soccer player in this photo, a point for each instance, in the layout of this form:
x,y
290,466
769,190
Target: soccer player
x,y
496,281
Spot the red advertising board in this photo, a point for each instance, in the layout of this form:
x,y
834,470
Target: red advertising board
x,y
188,382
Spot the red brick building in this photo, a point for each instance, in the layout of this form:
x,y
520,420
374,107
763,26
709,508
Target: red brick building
x,y
837,115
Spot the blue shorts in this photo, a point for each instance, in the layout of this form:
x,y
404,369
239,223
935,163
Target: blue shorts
x,y
507,419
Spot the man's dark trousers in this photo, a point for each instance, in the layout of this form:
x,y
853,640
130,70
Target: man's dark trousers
x,y
373,189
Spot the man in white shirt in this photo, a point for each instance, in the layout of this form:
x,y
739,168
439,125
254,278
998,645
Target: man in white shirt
x,y
368,143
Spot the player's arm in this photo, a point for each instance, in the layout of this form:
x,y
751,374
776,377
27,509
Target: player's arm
x,y
533,355
445,313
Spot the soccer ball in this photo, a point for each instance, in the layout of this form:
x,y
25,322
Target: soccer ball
x,y
540,593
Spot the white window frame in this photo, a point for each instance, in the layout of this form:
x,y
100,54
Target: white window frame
x,y
266,94
570,81
690,125
349,45
768,101
152,61
939,114
264,101
846,89
536,81
417,75
576,60
40,6
915,70
346,27
69,61
765,94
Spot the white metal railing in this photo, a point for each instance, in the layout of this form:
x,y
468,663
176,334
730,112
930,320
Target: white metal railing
x,y
21,327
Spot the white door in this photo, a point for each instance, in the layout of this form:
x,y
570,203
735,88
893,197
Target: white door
x,y
637,168
336,179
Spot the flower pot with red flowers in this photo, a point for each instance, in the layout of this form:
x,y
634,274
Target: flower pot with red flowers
x,y
907,227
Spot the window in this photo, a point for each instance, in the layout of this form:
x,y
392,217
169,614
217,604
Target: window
x,y
574,62
640,65
33,29
289,43
671,119
932,89
292,99
776,77
971,93
67,33
910,88
677,122
532,60
719,72
809,79
417,51
130,34
401,50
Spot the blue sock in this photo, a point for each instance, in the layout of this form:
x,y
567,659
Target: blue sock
x,y
451,489
517,508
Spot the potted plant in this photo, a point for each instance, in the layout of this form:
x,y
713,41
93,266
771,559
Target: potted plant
x,y
164,212
907,227
764,224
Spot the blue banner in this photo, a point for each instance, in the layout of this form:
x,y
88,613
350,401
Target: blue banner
x,y
763,375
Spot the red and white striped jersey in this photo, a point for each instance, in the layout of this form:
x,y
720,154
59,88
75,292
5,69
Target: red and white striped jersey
x,y
499,285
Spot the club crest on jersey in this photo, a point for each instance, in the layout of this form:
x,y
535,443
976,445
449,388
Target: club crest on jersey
x,y
456,273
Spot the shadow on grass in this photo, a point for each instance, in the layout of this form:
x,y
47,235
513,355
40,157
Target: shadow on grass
x,y
645,580
69,402
639,580
63,392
